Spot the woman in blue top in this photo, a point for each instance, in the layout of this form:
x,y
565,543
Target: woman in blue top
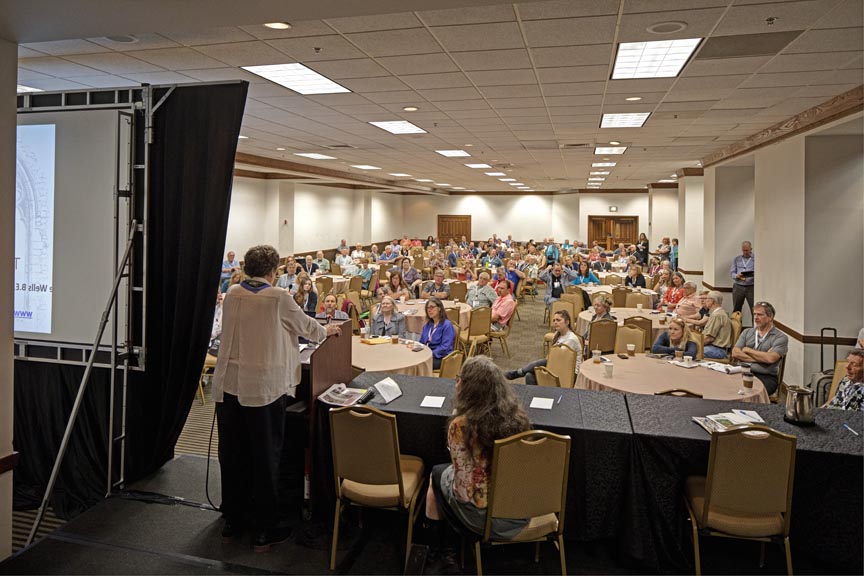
x,y
677,337
438,333
673,256
584,275
366,273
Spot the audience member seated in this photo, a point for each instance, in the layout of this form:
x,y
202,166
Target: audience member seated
x,y
322,263
602,265
388,321
675,338
763,346
584,275
436,287
673,293
309,266
229,266
343,245
485,409
481,294
860,342
288,280
850,391
373,255
594,255
346,263
330,312
365,272
621,250
389,254
634,278
718,329
438,332
662,283
394,287
306,297
654,266
563,326
491,260
699,321
503,307
602,311
410,275
555,277
688,307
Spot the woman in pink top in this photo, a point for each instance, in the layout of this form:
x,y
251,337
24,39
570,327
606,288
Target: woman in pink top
x,y
674,293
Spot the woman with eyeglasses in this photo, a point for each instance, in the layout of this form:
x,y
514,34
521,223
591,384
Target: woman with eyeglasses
x,y
438,332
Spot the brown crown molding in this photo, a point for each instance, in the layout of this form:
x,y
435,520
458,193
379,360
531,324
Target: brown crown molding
x,y
840,106
694,272
839,341
682,172
663,185
613,190
717,288
264,175
9,462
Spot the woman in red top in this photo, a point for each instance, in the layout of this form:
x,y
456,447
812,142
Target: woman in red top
x,y
674,293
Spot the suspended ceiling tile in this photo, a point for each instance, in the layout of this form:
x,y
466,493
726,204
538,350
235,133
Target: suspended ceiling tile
x,y
574,89
558,56
465,115
160,78
342,99
635,87
29,53
520,91
298,29
493,59
464,105
358,68
588,100
318,48
569,31
223,74
177,59
427,63
635,6
210,36
499,103
700,22
473,37
378,84
445,80
710,82
824,91
442,95
407,96
566,9
503,78
809,62
24,75
573,74
65,47
750,19
374,22
836,40
724,66
50,84
58,67
786,79
697,95
468,15
255,53
849,13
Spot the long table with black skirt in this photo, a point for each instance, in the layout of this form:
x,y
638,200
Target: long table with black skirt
x,y
827,501
597,423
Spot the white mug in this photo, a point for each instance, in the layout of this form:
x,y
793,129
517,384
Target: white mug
x,y
688,359
639,307
608,368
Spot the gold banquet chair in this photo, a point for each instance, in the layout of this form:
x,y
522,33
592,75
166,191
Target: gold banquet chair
x,y
562,363
747,492
546,378
634,298
678,393
562,304
450,365
646,325
602,335
477,334
369,469
529,480
619,296
458,291
629,335
503,335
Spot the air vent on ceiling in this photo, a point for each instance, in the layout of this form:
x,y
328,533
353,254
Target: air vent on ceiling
x,y
122,39
539,144
337,146
573,145
741,45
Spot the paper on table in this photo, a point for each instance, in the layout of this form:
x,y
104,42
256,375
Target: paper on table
x,y
542,403
389,389
432,402
750,415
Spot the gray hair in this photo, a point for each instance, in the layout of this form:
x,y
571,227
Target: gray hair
x,y
715,296
857,352
747,243
690,285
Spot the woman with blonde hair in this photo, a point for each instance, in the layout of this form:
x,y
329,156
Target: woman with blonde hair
x,y
675,338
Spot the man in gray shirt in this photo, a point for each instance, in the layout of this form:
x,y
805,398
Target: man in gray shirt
x,y
482,294
763,346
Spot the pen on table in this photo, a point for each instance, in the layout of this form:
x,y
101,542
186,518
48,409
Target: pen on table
x,y
561,396
846,426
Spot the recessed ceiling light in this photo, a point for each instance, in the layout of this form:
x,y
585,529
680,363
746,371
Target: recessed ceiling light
x,y
596,179
507,179
633,98
666,27
625,120
468,145
242,137
478,165
410,108
278,25
515,184
399,127
399,175
122,39
600,173
661,59
441,184
603,164
453,153
298,78
608,150
315,156
280,149
27,89
457,188
614,143
365,167
423,180
673,175
495,173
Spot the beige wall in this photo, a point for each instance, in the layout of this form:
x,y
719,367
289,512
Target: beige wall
x,y
664,214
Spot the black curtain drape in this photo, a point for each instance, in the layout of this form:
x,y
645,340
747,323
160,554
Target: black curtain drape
x,y
191,171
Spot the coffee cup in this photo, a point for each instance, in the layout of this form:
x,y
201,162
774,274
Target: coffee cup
x,y
688,359
639,307
394,340
679,354
663,320
747,380
608,367
595,355
631,349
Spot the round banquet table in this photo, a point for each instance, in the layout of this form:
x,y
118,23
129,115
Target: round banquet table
x,y
584,319
414,321
391,358
592,290
340,283
643,375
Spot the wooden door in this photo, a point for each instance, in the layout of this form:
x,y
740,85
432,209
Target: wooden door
x,y
609,231
453,226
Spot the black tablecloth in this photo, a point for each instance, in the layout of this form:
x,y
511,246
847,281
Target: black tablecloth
x,y
827,496
596,422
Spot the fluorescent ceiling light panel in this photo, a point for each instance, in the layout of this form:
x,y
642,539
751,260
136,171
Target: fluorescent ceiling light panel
x,y
400,175
668,180
507,179
603,164
596,179
478,165
610,150
423,180
298,78
515,184
453,153
660,59
365,167
241,137
458,188
626,120
441,184
399,127
314,156
495,173
600,173
26,89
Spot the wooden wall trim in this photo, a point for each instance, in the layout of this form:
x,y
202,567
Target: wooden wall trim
x,y
842,105
682,172
806,339
695,272
717,288
9,462
663,185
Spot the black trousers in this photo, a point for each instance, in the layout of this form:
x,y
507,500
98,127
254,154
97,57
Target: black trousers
x,y
739,295
250,452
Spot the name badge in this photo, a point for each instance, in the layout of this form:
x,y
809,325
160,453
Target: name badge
x,y
556,284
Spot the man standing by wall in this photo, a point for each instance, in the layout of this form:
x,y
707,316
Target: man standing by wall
x,y
742,272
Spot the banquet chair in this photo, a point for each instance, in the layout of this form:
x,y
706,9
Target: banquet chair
x,y
562,362
578,303
369,469
646,325
612,279
546,378
453,316
526,289
573,289
556,306
629,334
368,295
477,334
529,480
458,291
450,365
736,332
679,393
699,339
839,373
601,335
502,335
634,298
335,269
619,296
355,284
324,285
735,316
207,370
747,492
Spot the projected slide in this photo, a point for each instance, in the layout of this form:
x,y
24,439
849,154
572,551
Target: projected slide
x,y
34,228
